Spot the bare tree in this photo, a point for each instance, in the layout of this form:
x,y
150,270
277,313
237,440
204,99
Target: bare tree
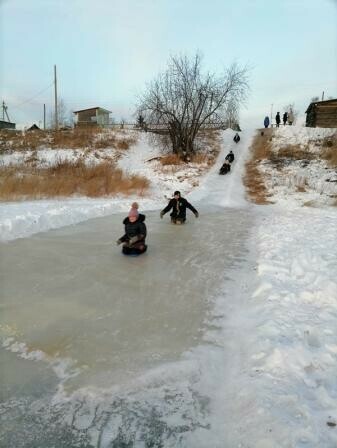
x,y
183,99
63,115
314,99
290,108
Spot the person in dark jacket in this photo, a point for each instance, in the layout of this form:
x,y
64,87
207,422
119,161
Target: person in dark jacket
x,y
178,205
266,122
135,233
230,157
226,167
278,119
236,138
285,118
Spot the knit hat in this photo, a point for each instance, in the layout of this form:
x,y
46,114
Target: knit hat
x,y
133,211
176,193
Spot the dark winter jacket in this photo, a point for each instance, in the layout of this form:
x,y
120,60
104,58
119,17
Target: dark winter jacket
x,y
230,157
285,117
266,122
278,119
226,167
236,138
178,207
132,229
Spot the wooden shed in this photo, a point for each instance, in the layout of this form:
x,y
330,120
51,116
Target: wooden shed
x,y
322,114
6,125
91,117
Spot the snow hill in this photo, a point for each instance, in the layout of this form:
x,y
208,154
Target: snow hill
x,y
270,374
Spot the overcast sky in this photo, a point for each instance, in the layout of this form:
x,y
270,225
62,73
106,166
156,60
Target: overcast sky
x,y
106,50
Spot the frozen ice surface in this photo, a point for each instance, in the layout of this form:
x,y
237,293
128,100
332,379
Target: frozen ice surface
x,y
110,327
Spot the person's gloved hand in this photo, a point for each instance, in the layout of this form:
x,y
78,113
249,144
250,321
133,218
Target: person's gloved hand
x,y
196,215
133,240
118,242
161,215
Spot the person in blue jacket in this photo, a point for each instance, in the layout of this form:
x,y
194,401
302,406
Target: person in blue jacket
x,y
266,122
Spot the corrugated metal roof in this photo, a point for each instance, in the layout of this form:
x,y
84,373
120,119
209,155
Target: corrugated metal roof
x,y
93,108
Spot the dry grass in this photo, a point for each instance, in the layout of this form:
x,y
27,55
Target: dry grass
x,y
209,139
301,189
66,179
171,159
255,185
329,152
254,179
295,152
203,158
78,138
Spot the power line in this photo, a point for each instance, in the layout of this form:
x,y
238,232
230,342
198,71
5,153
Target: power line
x,y
34,96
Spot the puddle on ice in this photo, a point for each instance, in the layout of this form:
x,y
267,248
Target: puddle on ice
x,y
98,347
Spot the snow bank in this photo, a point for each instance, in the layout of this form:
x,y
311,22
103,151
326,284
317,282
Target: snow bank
x,y
22,219
287,386
301,182
293,135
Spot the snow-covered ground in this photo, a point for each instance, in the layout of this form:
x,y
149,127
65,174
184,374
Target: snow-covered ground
x,y
305,181
263,374
21,219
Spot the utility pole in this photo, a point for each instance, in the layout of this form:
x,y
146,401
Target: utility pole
x,y
323,95
55,88
44,117
4,111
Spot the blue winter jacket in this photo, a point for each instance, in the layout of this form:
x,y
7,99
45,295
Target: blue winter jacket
x,y
266,122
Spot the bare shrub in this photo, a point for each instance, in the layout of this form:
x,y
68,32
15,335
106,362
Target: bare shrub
x,y
66,178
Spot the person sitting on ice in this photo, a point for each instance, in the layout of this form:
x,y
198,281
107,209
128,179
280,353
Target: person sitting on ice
x,y
178,206
135,232
236,138
226,167
230,157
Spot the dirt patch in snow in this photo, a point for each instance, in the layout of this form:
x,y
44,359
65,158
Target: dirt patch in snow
x,y
297,164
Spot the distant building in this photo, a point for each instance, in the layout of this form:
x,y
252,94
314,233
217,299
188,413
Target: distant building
x,y
7,125
91,117
34,128
322,114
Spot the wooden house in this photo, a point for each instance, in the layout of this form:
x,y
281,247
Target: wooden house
x,y
6,125
91,117
322,114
